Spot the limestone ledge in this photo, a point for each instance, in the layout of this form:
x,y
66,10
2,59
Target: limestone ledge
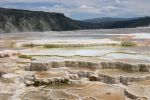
x,y
47,65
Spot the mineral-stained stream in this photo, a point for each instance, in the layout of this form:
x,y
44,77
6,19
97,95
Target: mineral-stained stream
x,y
75,65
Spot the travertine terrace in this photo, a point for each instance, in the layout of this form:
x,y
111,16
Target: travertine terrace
x,y
76,65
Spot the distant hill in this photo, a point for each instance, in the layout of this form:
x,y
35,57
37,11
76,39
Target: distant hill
x,y
106,19
14,20
130,23
110,23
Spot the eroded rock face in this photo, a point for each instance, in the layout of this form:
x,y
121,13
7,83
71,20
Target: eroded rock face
x,y
45,66
46,78
84,74
115,76
126,66
93,78
125,72
144,67
131,96
31,21
82,64
39,67
138,92
108,79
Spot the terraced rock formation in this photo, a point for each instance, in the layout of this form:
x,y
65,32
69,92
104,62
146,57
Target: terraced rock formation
x,y
109,73
66,74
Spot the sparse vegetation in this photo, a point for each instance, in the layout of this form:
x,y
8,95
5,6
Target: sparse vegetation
x,y
25,56
75,45
50,46
128,43
29,45
67,45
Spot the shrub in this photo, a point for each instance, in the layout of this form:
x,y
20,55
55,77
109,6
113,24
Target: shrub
x,y
128,43
29,45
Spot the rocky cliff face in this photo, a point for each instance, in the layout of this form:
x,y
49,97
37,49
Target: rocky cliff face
x,y
13,20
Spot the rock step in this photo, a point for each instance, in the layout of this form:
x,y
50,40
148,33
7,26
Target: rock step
x,y
46,78
47,65
112,76
137,92
120,79
8,53
126,66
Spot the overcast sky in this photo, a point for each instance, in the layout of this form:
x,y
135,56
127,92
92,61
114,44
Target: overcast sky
x,y
85,9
